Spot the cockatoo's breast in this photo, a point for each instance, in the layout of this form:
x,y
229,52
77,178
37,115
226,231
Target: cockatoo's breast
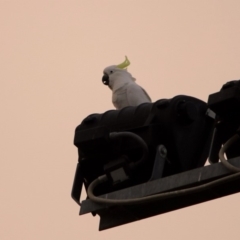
x,y
119,97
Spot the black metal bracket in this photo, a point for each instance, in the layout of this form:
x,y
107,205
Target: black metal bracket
x,y
77,185
161,156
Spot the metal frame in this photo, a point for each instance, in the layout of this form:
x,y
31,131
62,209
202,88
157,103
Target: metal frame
x,y
112,216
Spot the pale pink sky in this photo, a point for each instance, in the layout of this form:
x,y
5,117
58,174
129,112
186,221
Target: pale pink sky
x,y
52,57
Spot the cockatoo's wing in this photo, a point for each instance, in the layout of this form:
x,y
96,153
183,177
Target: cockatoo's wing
x,y
136,95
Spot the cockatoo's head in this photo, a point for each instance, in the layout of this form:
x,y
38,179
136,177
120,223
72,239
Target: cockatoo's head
x,y
116,76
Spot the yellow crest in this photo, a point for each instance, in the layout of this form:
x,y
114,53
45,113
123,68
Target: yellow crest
x,y
124,64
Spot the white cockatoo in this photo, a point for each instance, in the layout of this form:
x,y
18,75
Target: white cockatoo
x,y
125,91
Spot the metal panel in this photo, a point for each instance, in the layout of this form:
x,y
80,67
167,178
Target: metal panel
x,y
112,216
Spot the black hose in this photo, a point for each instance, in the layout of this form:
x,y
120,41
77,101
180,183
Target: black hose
x,y
166,195
224,149
139,140
151,198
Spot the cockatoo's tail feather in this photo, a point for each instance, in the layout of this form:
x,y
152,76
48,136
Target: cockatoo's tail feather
x,y
124,64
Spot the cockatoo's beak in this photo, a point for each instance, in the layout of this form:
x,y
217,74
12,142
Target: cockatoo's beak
x,y
105,79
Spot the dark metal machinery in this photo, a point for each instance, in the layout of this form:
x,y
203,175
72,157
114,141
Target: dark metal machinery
x,y
152,156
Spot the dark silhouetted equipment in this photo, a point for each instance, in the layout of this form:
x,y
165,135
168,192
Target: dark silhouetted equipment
x,y
141,161
226,104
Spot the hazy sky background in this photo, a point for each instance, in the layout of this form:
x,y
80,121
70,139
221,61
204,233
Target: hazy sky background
x,y
52,54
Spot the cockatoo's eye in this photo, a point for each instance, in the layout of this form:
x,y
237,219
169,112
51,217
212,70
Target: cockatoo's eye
x,y
111,71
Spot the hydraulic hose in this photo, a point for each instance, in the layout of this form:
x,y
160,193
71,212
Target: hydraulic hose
x,y
151,198
170,194
139,140
224,149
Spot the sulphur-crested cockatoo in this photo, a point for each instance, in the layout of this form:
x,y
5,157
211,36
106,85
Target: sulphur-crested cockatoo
x,y
125,91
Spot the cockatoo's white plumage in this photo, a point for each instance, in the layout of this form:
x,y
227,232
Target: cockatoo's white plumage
x,y
125,91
